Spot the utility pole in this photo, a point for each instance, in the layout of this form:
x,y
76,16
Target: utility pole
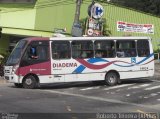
x,y
77,13
76,28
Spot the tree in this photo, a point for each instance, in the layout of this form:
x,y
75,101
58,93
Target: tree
x,y
149,6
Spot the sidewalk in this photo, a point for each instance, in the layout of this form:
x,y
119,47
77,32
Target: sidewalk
x,y
157,71
2,80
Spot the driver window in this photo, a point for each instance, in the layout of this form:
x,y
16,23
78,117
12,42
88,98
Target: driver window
x,y
38,53
33,53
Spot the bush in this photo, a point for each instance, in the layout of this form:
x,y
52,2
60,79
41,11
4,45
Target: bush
x,y
105,28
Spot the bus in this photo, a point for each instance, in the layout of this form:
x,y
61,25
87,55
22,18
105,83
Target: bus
x,y
42,60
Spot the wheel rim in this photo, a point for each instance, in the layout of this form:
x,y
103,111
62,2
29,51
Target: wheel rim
x,y
112,79
28,81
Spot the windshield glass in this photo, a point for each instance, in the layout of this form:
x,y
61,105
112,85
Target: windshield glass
x,y
16,53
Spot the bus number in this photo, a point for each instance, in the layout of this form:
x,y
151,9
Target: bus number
x,y
143,68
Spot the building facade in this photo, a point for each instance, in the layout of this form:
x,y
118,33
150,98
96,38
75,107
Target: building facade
x,y
25,18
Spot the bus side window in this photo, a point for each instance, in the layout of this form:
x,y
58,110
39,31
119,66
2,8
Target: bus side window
x,y
99,54
61,50
126,48
143,48
42,52
104,48
82,49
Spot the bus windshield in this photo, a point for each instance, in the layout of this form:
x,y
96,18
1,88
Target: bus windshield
x,y
16,53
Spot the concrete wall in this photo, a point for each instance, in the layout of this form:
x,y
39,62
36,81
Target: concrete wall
x,y
17,16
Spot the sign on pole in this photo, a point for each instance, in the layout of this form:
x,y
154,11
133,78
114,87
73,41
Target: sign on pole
x,y
97,11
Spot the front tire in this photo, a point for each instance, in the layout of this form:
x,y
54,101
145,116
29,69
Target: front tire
x,y
30,82
111,79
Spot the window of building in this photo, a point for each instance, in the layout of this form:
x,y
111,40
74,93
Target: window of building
x,y
61,50
126,48
82,49
105,49
143,48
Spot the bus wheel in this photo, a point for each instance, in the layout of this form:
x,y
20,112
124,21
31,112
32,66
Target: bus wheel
x,y
111,79
30,82
18,85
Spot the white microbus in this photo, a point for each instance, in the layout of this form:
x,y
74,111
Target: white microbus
x,y
40,60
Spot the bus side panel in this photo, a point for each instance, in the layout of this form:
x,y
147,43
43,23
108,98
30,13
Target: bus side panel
x,y
144,67
96,69
40,69
85,77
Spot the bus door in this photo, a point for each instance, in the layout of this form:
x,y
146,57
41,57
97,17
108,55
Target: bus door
x,y
60,59
36,59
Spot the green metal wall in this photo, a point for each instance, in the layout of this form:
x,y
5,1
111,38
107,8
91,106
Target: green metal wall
x,y
20,16
47,15
55,14
114,13
60,14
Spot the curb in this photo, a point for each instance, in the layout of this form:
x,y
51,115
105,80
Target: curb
x,y
3,81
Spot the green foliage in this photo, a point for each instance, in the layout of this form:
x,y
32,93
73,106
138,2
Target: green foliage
x,y
106,31
149,6
3,60
83,24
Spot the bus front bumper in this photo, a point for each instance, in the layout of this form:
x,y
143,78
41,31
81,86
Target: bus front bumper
x,y
12,78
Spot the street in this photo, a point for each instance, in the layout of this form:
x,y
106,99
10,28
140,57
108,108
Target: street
x,y
133,95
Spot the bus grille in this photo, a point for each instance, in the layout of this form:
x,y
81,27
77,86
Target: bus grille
x,y
7,71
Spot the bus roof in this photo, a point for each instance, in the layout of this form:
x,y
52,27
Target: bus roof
x,y
85,38
36,38
99,38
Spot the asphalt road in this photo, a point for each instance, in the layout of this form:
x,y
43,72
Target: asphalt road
x,y
65,100
131,96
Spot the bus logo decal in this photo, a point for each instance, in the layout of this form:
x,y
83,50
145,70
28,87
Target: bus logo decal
x,y
60,65
133,60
